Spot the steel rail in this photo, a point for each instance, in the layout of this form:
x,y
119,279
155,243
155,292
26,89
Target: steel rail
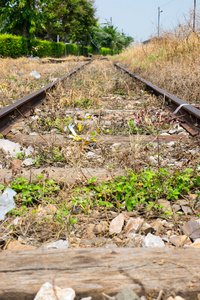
x,y
187,112
24,106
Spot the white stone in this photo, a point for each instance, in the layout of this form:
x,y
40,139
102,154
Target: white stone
x,y
171,144
153,241
133,225
50,292
198,221
91,154
116,224
10,147
33,133
35,117
154,159
28,162
28,151
60,244
13,149
164,133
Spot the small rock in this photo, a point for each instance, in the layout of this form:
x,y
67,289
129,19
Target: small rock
x,y
186,209
166,206
133,225
101,227
153,241
17,246
127,294
154,159
33,133
13,149
179,240
135,240
192,229
35,117
14,131
157,226
51,207
193,196
165,239
85,243
110,246
90,231
170,144
116,146
196,244
16,164
10,147
178,298
183,202
87,298
116,224
60,244
176,207
50,292
28,162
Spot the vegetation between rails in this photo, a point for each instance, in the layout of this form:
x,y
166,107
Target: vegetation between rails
x,y
137,190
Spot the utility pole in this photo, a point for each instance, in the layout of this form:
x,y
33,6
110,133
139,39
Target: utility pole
x,y
194,16
159,12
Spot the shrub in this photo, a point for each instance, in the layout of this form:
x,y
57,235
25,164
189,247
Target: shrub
x,y
16,46
71,49
12,46
105,51
44,48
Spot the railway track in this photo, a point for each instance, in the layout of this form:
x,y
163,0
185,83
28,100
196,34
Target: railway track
x,y
94,124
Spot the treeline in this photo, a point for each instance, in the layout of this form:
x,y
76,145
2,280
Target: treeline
x,y
17,46
72,20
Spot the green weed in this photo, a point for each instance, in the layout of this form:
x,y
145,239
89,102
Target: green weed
x,y
29,193
142,188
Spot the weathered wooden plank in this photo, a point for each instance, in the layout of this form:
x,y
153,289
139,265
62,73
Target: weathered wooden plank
x,y
67,175
93,271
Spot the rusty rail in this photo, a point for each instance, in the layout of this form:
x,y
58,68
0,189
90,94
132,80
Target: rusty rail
x,y
186,112
25,105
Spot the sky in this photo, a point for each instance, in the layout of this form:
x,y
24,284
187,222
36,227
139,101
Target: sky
x,y
139,18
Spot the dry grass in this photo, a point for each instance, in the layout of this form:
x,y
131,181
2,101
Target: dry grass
x,y
15,81
171,62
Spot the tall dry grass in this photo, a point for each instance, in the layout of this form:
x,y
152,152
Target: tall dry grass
x,y
171,62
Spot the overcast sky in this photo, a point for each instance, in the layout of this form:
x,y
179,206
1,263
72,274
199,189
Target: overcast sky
x,y
139,18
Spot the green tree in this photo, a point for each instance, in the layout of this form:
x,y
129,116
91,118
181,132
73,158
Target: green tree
x,y
20,17
109,37
72,20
